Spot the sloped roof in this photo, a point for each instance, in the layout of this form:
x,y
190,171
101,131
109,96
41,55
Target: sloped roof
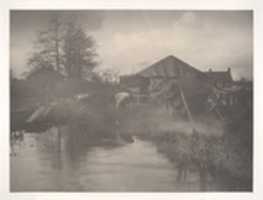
x,y
220,75
169,66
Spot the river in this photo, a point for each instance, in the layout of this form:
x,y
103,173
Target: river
x,y
40,165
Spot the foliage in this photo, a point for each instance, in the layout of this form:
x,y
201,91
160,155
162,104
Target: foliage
x,y
65,47
79,51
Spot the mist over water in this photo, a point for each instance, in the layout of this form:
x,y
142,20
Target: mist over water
x,y
158,119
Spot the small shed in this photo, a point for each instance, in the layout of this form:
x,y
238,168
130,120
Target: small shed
x,y
221,79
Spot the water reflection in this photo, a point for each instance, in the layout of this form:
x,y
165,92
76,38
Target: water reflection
x,y
46,164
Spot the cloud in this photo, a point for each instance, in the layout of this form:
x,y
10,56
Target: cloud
x,y
131,40
199,40
24,24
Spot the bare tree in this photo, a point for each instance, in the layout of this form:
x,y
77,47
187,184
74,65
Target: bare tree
x,y
48,46
64,47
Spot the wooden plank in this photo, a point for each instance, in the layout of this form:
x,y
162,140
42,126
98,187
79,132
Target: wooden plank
x,y
189,114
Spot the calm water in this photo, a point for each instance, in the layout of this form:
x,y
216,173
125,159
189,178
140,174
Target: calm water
x,y
41,166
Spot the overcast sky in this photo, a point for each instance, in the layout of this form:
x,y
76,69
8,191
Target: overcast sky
x,y
132,40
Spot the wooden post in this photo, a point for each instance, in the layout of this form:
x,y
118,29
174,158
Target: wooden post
x,y
59,138
58,153
189,115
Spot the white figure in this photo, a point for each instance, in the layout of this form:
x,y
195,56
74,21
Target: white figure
x,y
121,97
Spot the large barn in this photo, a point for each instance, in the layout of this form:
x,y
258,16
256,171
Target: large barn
x,y
163,79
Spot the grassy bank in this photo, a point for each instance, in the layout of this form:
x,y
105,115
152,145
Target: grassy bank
x,y
216,152
209,157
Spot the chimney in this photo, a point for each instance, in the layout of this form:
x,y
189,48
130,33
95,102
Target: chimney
x,y
229,73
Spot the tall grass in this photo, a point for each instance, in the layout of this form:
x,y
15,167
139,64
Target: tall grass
x,y
216,150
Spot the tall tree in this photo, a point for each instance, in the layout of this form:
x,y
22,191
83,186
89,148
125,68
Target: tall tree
x,y
56,25
79,52
66,48
48,47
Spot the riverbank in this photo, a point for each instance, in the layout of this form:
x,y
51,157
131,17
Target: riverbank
x,y
214,150
208,157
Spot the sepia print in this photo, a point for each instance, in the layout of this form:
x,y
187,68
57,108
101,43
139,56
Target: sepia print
x,y
131,101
